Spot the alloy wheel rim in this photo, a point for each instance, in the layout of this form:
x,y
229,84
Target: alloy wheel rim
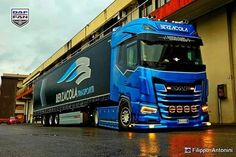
x,y
56,119
50,120
125,116
44,120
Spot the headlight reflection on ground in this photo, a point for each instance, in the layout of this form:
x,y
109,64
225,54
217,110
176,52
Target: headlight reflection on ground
x,y
173,143
187,144
150,145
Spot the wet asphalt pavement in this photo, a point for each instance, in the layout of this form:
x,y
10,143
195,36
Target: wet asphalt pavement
x,y
38,141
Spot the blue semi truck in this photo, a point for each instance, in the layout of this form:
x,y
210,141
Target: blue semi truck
x,y
145,74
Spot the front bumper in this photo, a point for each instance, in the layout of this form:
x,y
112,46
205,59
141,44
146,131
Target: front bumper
x,y
155,121
168,126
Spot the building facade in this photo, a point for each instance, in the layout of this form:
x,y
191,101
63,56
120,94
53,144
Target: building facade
x,y
9,106
215,22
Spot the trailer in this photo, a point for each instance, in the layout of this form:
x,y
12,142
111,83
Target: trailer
x,y
145,74
75,85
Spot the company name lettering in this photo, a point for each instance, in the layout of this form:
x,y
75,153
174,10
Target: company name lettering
x,y
174,28
73,93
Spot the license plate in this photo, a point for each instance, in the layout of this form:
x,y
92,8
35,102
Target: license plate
x,y
182,121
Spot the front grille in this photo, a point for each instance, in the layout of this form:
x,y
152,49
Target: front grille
x,y
179,100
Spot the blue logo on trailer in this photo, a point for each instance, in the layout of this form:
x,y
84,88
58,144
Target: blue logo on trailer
x,y
79,69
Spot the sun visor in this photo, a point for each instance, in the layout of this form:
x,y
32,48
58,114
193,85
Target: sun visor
x,y
169,38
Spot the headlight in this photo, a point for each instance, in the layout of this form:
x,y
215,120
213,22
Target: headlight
x,y
205,108
148,110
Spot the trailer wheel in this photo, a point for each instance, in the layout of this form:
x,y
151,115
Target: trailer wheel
x,y
96,118
56,119
124,114
44,120
51,120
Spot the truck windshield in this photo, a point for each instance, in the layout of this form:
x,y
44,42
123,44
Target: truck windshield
x,y
154,54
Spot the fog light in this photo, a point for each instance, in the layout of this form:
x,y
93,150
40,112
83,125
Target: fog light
x,y
192,88
148,110
205,108
208,124
151,126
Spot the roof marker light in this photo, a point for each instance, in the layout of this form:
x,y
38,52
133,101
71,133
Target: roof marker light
x,y
185,21
149,27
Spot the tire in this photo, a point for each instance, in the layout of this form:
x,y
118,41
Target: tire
x,y
96,118
51,120
124,114
56,119
44,120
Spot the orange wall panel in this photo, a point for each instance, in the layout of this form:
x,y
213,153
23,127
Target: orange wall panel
x,y
169,8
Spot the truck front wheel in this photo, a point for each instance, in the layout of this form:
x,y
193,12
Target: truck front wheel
x,y
124,114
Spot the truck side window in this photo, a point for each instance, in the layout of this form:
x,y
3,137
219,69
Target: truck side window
x,y
128,56
132,58
121,61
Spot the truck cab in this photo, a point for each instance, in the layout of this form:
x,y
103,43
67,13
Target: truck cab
x,y
157,75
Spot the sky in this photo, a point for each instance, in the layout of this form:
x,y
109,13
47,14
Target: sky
x,y
51,24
